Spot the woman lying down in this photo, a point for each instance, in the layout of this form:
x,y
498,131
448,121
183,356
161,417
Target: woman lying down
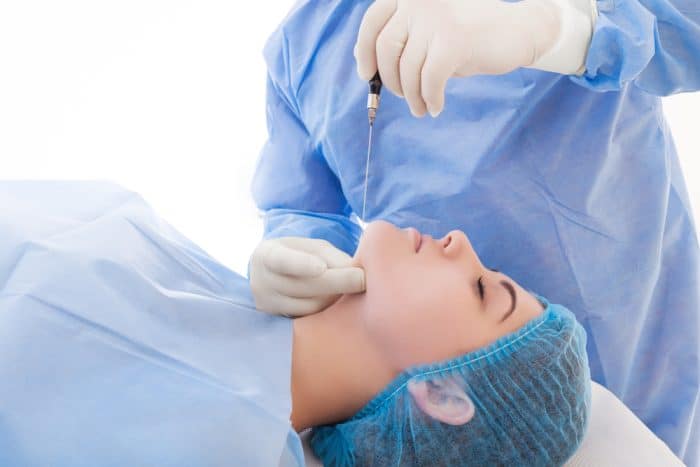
x,y
122,343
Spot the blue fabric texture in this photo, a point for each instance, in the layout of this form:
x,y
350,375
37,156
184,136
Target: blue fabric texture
x,y
531,396
122,343
570,185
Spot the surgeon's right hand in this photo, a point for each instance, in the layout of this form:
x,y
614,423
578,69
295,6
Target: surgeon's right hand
x,y
294,276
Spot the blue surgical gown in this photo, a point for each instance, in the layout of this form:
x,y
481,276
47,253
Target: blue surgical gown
x,y
123,344
571,185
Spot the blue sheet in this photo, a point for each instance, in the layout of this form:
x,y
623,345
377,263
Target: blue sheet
x,y
122,343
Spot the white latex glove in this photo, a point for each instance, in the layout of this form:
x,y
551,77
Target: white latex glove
x,y
295,276
417,45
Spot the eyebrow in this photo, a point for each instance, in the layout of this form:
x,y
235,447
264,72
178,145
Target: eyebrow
x,y
514,301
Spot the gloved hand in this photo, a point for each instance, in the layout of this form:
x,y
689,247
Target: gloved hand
x,y
417,45
295,276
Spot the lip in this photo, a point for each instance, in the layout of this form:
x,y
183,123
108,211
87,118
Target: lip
x,y
416,237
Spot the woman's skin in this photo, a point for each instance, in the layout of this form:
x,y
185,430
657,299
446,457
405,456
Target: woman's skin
x,y
427,300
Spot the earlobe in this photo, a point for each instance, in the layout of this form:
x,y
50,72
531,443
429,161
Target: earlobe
x,y
442,400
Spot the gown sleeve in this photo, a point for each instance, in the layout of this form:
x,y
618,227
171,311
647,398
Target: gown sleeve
x,y
293,184
654,44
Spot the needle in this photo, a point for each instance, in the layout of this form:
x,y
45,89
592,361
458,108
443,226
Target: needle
x,y
375,88
369,152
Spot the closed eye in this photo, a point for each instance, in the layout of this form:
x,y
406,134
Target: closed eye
x,y
480,284
513,297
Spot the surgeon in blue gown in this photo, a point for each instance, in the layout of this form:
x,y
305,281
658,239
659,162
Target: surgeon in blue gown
x,y
550,150
122,343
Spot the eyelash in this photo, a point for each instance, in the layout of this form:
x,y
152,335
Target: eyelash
x,y
480,284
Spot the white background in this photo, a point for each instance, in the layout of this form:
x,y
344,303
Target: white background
x,y
166,98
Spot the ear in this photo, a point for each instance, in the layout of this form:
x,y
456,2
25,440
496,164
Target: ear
x,y
442,400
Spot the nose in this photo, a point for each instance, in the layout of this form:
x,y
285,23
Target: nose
x,y
457,246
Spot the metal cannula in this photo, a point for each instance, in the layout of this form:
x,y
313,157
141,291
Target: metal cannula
x,y
375,89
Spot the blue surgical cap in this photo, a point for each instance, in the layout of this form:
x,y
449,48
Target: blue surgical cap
x,y
522,400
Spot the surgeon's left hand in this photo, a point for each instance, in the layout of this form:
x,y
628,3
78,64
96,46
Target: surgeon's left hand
x,y
417,45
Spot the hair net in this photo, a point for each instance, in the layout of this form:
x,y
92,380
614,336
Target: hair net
x,y
522,400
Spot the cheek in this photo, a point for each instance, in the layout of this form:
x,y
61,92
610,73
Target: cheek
x,y
380,249
418,318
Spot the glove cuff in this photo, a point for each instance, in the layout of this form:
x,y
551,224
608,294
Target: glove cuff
x,y
568,53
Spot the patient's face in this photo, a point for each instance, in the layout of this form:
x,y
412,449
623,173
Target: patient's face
x,y
432,299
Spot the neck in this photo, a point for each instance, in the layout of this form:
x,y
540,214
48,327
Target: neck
x,y
336,368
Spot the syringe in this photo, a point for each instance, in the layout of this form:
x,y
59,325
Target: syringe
x,y
375,88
